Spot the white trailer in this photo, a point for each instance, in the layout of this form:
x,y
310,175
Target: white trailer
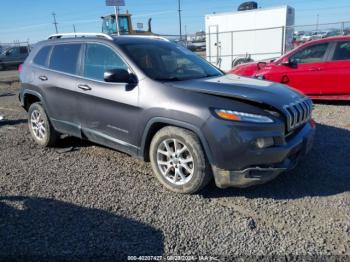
x,y
262,33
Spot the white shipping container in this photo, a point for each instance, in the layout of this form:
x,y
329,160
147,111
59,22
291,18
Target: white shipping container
x,y
260,33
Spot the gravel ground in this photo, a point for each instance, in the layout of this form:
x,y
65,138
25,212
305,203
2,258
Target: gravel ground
x,y
80,199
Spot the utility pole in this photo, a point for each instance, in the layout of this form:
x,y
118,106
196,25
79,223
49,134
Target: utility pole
x,y
317,21
179,2
74,30
54,21
116,12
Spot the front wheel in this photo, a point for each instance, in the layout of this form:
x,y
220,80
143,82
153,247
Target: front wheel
x,y
178,160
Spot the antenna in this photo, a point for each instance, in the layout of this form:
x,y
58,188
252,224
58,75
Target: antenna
x,y
54,21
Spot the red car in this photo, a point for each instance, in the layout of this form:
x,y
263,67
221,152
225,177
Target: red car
x,y
320,69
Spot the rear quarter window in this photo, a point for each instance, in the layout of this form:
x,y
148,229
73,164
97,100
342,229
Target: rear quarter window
x,y
64,58
42,56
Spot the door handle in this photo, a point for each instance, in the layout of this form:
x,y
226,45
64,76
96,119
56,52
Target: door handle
x,y
84,87
315,69
43,78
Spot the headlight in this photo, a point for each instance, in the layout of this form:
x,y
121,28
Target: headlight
x,y
240,116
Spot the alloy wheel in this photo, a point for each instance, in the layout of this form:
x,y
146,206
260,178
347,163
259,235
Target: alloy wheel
x,y
175,161
38,125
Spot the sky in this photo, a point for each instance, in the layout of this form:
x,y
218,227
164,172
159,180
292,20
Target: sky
x,y
23,20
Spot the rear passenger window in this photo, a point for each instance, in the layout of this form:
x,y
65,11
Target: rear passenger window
x,y
342,51
64,58
98,59
41,56
23,50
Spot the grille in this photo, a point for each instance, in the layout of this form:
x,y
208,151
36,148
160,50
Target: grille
x,y
298,113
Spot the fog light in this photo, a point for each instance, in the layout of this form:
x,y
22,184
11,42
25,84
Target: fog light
x,y
264,142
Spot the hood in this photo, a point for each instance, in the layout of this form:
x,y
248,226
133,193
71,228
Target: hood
x,y
249,89
251,68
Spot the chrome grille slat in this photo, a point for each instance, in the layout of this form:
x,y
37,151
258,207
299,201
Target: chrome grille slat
x,y
304,105
298,113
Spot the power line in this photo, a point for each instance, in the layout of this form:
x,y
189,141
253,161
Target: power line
x,y
54,21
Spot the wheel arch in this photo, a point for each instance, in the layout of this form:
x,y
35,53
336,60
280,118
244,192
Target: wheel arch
x,y
30,97
155,124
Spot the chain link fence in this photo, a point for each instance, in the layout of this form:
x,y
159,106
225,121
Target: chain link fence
x,y
227,49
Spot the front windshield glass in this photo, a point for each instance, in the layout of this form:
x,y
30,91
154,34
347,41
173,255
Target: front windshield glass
x,y
169,62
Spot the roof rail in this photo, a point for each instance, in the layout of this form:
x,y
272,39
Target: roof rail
x,y
147,36
56,36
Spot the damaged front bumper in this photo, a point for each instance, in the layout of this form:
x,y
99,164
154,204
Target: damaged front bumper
x,y
260,174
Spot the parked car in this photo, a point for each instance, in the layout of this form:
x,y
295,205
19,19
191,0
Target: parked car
x,y
13,56
158,101
319,69
307,36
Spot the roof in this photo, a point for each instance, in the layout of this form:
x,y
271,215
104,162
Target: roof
x,y
252,10
328,39
102,36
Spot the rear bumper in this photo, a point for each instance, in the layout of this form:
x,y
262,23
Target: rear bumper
x,y
292,152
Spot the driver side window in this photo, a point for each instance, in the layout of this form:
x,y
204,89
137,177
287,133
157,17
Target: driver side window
x,y
12,52
311,54
98,59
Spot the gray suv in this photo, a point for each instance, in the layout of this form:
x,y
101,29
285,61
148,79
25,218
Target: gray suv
x,y
158,101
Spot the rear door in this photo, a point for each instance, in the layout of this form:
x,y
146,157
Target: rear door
x,y
213,45
308,74
337,70
59,83
109,111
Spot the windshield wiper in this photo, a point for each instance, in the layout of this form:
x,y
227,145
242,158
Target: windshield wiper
x,y
170,79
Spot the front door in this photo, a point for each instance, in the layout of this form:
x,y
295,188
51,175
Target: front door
x,y
12,57
308,73
109,111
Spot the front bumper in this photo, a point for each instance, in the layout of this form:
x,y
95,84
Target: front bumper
x,y
289,154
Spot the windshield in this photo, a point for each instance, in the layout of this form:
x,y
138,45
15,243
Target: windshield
x,y
109,25
169,62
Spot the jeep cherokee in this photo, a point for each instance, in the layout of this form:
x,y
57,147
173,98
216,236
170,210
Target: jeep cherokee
x,y
158,101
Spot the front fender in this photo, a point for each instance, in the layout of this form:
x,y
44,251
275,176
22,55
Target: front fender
x,y
167,121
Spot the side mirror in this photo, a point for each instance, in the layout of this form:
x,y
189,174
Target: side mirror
x,y
119,76
287,61
261,65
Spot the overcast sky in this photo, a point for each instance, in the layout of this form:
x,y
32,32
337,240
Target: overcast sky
x,y
32,19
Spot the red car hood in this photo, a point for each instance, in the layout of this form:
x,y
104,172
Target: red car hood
x,y
249,69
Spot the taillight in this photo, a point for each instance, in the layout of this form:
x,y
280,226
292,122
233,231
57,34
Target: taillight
x,y
20,67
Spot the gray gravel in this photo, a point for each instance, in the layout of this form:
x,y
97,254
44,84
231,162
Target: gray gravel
x,y
81,199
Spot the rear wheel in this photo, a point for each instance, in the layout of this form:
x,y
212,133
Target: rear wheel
x,y
40,127
178,160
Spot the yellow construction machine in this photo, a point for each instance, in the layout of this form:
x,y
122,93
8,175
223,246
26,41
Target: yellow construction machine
x,y
109,25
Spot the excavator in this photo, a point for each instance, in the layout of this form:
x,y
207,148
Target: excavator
x,y
109,25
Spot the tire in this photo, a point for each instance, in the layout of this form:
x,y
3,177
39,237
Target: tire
x,y
40,127
169,168
2,67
